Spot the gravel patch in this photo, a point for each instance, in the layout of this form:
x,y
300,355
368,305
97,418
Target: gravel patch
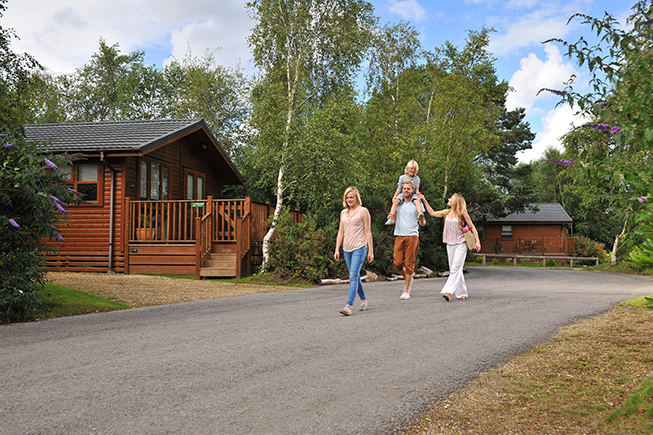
x,y
144,290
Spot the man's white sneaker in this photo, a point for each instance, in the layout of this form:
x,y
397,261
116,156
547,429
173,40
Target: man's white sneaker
x,y
404,295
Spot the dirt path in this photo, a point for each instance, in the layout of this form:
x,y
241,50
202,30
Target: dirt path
x,y
142,290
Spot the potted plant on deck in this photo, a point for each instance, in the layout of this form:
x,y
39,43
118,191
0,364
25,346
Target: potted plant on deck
x,y
146,230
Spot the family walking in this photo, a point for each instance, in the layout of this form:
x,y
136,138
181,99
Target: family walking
x,y
355,237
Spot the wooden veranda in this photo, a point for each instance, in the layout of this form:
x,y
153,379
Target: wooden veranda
x,y
529,245
210,238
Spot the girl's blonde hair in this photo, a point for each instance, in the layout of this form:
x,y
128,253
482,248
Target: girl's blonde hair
x,y
411,164
351,189
459,206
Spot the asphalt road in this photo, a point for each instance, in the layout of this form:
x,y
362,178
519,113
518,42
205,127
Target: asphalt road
x,y
287,362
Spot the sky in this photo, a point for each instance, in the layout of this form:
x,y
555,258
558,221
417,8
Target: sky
x,y
63,34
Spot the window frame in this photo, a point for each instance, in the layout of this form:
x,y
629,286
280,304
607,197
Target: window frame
x,y
148,177
196,175
74,182
506,232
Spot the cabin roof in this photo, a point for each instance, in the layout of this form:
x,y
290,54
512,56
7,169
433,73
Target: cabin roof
x,y
547,213
137,137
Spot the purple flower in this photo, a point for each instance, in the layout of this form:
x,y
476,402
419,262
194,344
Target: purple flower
x,y
60,238
55,199
614,130
643,199
603,128
73,191
565,163
60,208
50,164
14,223
602,104
8,145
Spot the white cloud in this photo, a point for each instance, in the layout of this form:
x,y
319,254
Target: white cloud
x,y
63,34
535,74
516,32
556,123
407,9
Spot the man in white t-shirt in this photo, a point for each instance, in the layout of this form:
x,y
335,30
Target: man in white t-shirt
x,y
406,236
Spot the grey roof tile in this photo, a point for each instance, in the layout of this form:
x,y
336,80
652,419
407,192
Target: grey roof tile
x,y
136,136
548,212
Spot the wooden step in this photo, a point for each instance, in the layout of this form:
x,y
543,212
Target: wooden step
x,y
219,265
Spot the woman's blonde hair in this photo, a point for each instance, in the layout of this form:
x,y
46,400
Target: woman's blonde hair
x,y
459,206
351,189
411,164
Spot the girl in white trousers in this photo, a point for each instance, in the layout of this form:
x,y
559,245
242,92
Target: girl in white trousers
x,y
452,235
455,284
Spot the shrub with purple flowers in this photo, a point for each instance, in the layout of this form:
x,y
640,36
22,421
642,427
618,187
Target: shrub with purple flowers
x,y
33,200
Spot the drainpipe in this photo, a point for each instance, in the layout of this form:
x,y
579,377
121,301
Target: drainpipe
x,y
111,211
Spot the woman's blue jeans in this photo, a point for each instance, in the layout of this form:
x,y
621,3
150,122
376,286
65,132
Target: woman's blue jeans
x,y
354,262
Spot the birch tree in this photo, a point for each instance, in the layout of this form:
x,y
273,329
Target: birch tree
x,y
304,50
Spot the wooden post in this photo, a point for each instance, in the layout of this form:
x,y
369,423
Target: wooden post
x,y
198,247
248,257
571,262
515,261
209,210
484,257
126,232
239,235
543,261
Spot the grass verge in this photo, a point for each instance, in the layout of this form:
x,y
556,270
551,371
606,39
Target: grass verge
x,y
60,301
594,377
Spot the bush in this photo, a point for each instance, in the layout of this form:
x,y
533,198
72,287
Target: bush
x,y
550,263
298,250
586,247
31,203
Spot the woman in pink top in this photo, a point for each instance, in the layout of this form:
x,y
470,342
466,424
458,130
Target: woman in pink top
x,y
355,236
456,246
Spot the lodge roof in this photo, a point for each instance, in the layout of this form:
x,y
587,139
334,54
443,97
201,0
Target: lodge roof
x,y
140,136
547,213
128,137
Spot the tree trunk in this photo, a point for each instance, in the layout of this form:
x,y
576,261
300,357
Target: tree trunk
x,y
613,256
277,211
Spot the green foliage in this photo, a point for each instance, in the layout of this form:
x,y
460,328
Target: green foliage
x,y
550,263
621,101
642,254
32,200
586,247
197,87
298,250
32,196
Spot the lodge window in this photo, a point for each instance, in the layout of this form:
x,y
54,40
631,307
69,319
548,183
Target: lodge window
x,y
194,184
84,177
506,231
154,180
481,232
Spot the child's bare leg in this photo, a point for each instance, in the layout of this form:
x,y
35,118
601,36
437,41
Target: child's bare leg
x,y
418,206
392,216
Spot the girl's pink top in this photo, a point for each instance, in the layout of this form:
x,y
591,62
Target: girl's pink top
x,y
452,234
352,223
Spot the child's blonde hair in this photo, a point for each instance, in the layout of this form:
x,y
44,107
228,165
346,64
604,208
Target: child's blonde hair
x,y
351,189
411,164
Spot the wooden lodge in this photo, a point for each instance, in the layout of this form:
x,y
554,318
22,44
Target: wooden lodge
x,y
534,232
152,200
